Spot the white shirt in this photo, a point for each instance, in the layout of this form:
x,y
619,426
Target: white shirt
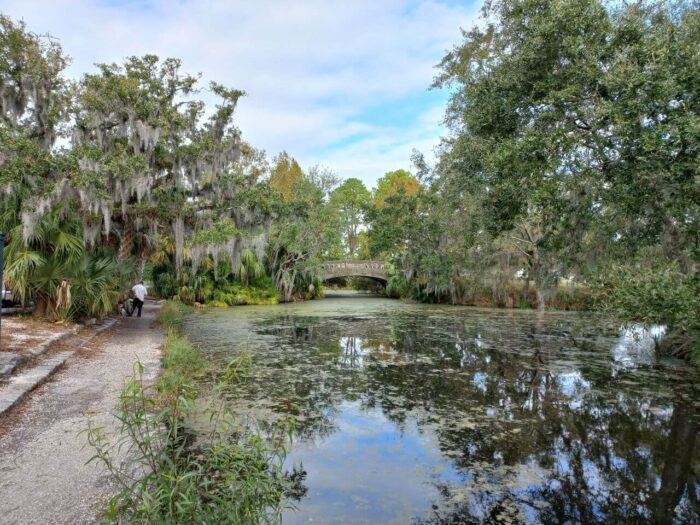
x,y
140,292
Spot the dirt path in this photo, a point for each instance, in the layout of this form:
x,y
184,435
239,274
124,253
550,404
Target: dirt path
x,y
44,478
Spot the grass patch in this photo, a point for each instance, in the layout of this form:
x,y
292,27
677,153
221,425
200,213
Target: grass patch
x,y
172,313
182,366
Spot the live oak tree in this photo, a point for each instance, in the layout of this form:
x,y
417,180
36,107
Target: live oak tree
x,y
304,233
575,124
142,166
34,98
151,162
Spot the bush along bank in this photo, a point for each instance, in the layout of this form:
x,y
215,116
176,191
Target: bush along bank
x,y
180,459
206,287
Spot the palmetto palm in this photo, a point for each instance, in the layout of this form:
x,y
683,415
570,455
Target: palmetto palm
x,y
249,267
35,266
96,284
54,251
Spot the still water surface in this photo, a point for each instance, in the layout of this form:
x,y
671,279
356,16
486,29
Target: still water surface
x,y
436,414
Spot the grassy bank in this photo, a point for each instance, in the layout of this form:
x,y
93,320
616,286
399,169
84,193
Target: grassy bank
x,y
179,470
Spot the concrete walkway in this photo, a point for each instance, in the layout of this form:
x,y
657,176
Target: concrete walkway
x,y
22,340
44,478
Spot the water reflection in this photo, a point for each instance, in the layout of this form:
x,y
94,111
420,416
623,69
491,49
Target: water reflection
x,y
637,346
446,415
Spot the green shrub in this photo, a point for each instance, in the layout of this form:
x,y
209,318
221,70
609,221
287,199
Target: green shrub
x,y
186,295
165,283
234,294
398,287
188,461
524,303
177,474
366,284
655,294
182,365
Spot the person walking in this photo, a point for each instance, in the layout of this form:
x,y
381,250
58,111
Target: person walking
x,y
139,296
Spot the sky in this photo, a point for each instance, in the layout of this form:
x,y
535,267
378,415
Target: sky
x,y
344,84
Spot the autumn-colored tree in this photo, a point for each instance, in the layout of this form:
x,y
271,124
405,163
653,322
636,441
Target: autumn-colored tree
x,y
393,182
285,175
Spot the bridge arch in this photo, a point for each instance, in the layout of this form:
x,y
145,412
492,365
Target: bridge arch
x,y
353,268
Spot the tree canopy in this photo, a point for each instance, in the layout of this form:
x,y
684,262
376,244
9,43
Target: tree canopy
x,y
572,153
393,182
351,199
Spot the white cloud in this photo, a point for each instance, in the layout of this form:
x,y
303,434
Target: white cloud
x,y
385,148
312,69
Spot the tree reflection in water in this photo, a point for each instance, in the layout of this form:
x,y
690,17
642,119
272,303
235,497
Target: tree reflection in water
x,y
533,413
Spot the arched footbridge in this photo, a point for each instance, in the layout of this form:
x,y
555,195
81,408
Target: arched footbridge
x,y
352,268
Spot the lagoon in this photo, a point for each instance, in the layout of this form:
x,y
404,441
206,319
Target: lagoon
x,y
409,413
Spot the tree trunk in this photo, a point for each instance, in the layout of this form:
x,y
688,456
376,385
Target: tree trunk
x,y
352,243
43,305
540,293
541,300
126,243
540,282
141,263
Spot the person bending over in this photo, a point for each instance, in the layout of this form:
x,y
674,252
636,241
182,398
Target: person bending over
x,y
139,296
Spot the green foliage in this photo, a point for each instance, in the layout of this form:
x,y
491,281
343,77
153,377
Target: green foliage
x,y
655,294
33,92
573,149
350,199
365,284
171,315
56,251
249,267
391,224
179,469
568,124
398,286
165,283
250,286
146,161
182,363
235,294
96,283
305,233
524,304
394,183
218,233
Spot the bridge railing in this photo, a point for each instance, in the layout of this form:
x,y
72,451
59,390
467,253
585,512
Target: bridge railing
x,y
353,262
352,267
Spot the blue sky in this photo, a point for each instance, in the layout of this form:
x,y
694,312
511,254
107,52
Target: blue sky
x,y
339,83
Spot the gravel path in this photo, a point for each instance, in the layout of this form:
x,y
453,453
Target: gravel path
x,y
44,478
